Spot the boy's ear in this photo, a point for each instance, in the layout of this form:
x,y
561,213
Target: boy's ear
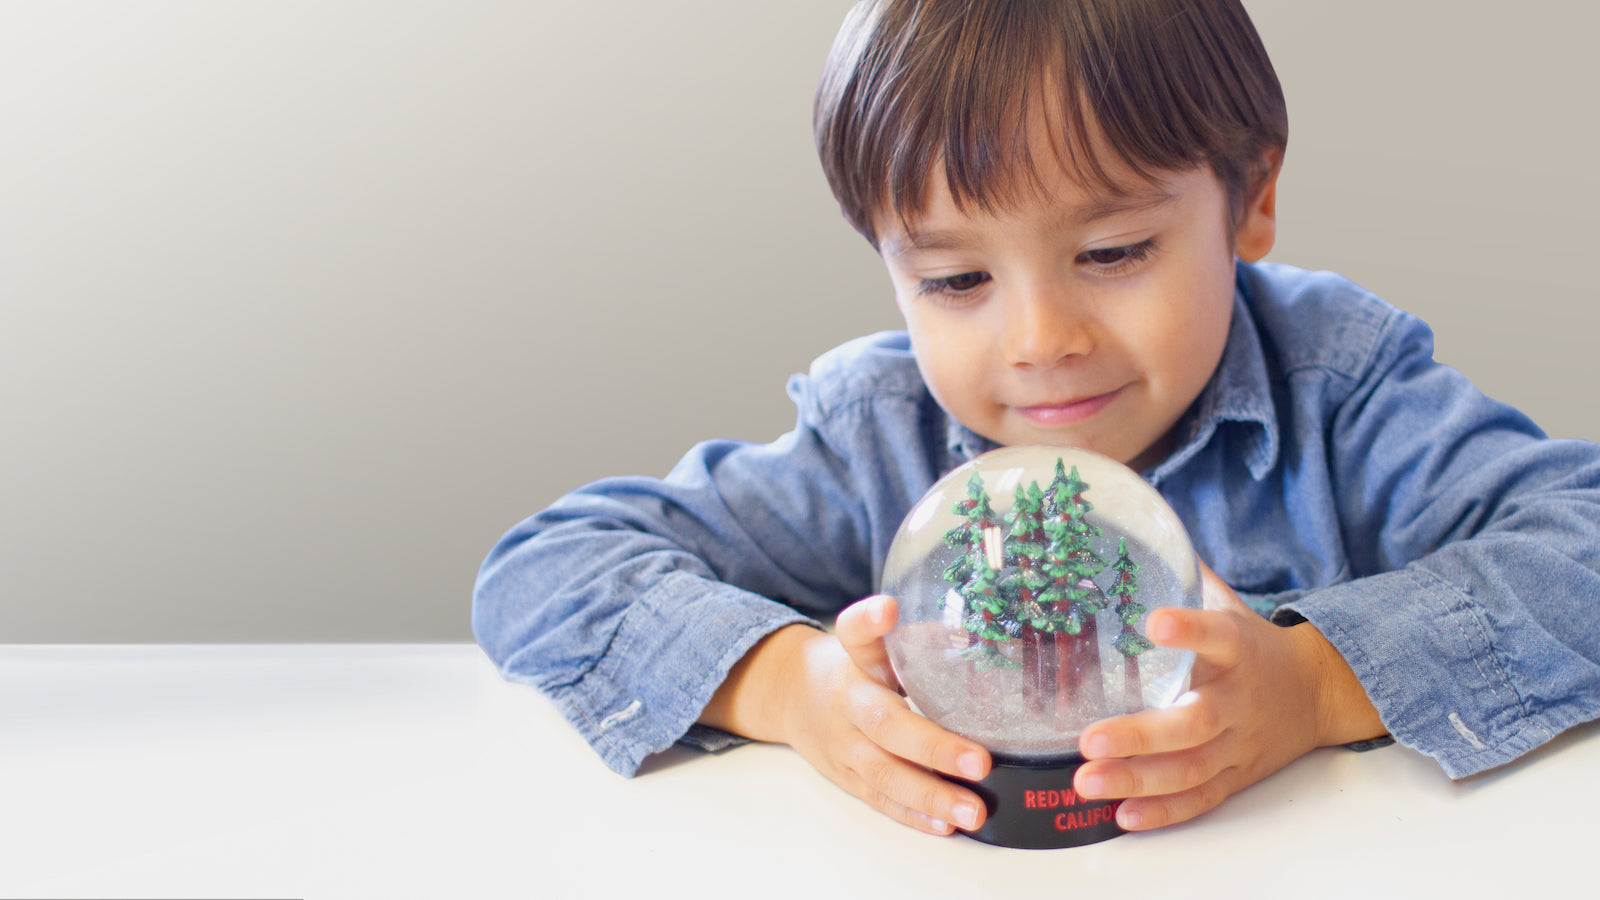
x,y
1258,229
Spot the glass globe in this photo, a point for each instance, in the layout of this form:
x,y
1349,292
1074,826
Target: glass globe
x,y
1024,580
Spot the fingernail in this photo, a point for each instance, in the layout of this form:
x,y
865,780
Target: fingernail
x,y
1129,819
939,825
966,815
1161,628
971,765
1093,786
1097,745
875,611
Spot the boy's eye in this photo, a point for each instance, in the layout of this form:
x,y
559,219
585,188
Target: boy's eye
x,y
1107,255
1116,257
953,284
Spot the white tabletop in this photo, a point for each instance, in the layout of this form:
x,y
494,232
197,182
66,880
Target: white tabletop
x,y
414,771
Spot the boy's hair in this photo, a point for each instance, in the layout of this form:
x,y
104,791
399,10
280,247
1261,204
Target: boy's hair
x,y
1167,85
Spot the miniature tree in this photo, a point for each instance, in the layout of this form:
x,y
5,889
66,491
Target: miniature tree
x,y
985,617
972,535
1022,584
1072,563
975,577
1130,643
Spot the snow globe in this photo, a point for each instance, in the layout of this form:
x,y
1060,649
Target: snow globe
x,y
1024,579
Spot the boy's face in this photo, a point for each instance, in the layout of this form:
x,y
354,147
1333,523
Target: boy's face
x,y
1064,321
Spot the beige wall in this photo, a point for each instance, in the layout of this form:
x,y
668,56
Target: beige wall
x,y
305,303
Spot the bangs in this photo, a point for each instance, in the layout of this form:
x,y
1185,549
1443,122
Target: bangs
x,y
912,87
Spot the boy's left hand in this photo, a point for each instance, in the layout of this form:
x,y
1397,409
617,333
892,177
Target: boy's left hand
x,y
1262,695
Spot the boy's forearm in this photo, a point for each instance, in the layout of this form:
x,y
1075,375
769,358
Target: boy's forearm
x,y
1344,712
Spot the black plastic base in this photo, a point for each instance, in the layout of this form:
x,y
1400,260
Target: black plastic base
x,y
1032,806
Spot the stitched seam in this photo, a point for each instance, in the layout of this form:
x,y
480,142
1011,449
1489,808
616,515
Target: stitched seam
x,y
1498,675
609,658
1364,366
862,399
602,728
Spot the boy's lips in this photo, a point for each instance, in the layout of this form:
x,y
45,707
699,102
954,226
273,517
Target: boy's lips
x,y
1053,414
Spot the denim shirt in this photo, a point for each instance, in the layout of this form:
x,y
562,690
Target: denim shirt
x,y
1330,471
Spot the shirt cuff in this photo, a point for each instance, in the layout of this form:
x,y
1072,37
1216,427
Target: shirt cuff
x,y
1423,653
704,737
673,649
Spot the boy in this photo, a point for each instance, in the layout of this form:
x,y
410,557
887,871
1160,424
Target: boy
x,y
1072,199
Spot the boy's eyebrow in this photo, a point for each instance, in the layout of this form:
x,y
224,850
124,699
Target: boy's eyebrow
x,y
913,239
1133,201
1089,213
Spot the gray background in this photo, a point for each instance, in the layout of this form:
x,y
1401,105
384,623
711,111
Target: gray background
x,y
306,303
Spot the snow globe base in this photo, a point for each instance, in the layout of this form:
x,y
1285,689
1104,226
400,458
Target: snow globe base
x,y
1032,806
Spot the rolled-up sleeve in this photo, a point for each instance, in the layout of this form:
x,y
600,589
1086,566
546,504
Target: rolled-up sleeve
x,y
1476,640
629,600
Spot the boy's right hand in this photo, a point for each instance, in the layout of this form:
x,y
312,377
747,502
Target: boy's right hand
x,y
834,699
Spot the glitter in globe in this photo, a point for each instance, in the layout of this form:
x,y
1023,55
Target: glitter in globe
x,y
1024,580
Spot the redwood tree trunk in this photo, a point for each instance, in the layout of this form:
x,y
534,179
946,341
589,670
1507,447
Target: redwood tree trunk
x,y
1090,689
1132,686
1066,691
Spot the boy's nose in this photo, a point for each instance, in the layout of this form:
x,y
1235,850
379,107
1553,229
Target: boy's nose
x,y
1043,327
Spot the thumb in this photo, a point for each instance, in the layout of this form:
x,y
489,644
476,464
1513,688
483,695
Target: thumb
x,y
860,627
1213,631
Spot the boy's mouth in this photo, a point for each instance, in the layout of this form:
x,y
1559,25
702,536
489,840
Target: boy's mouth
x,y
1056,414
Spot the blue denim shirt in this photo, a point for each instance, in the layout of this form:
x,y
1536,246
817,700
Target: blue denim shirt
x,y
1330,470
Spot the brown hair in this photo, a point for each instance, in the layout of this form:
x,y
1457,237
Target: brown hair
x,y
1169,84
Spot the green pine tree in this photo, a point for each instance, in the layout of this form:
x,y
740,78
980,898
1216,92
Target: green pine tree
x,y
1071,563
984,616
1024,550
976,581
1129,642
1023,583
971,535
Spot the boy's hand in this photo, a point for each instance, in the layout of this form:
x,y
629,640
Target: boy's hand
x,y
1262,696
835,700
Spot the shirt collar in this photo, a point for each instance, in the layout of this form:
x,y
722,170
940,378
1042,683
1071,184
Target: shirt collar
x,y
964,443
1238,391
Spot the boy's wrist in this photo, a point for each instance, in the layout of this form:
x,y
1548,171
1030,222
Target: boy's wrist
x,y
1344,712
749,701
